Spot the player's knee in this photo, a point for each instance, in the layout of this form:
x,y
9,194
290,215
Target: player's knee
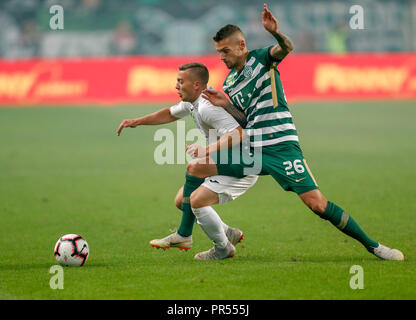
x,y
318,206
195,201
315,201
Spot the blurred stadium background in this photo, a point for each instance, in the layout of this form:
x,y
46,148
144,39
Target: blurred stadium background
x,y
140,44
182,27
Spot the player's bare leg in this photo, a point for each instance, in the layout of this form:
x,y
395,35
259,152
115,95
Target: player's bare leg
x,y
203,197
315,200
327,210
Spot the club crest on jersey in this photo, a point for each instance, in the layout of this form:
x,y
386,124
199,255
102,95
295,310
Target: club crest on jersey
x,y
248,71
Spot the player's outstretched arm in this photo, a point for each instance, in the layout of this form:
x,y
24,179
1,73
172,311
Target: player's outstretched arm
x,y
271,24
160,117
226,141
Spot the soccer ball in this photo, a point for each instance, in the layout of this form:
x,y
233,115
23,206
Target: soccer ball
x,y
71,250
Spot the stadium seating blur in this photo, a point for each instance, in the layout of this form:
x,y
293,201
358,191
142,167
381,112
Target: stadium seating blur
x,y
182,27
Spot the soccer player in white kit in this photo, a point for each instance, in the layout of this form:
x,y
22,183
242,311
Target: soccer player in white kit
x,y
191,81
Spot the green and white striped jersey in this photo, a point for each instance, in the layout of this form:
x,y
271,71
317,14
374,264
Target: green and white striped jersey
x,y
258,91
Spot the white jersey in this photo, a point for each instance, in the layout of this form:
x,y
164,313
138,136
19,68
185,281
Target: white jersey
x,y
209,117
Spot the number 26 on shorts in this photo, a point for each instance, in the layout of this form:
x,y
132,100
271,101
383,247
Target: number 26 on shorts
x,y
296,165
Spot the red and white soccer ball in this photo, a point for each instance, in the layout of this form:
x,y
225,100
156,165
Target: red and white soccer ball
x,y
71,250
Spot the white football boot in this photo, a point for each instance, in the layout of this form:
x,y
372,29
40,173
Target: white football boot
x,y
217,254
387,253
234,235
173,240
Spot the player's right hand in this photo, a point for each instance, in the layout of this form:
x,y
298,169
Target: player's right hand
x,y
270,22
217,98
196,151
125,124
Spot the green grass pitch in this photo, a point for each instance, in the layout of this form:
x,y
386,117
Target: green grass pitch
x,y
64,170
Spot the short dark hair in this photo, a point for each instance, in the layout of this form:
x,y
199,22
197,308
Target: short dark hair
x,y
198,69
226,31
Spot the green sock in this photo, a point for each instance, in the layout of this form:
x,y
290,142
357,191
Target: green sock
x,y
188,218
344,222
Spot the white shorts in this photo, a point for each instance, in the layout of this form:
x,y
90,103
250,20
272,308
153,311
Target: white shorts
x,y
229,188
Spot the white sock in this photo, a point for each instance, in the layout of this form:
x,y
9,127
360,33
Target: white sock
x,y
212,225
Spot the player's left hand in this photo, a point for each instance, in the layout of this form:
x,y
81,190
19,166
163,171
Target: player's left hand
x,y
270,22
196,151
216,97
126,124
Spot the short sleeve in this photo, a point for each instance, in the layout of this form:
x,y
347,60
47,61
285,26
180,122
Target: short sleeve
x,y
217,118
265,57
180,110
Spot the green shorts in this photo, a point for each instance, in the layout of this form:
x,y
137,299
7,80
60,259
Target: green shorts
x,y
284,162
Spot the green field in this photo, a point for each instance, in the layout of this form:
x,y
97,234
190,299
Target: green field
x,y
64,170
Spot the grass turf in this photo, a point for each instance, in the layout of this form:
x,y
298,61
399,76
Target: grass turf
x,y
63,170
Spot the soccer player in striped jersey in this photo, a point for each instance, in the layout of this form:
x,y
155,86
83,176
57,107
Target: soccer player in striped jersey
x,y
254,86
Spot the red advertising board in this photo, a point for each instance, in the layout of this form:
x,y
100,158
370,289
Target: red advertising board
x,y
144,80
349,77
